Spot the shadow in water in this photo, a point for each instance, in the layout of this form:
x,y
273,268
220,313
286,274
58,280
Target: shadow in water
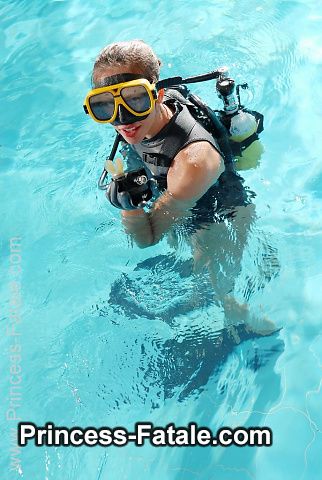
x,y
124,367
164,288
159,288
186,365
223,376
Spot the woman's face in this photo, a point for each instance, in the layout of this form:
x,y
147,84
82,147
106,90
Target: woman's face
x,y
135,132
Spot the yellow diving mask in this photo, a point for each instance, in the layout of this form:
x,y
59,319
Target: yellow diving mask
x,y
136,96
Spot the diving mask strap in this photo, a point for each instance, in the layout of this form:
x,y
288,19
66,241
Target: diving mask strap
x,y
101,183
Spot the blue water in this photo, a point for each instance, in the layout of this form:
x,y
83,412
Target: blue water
x,y
111,334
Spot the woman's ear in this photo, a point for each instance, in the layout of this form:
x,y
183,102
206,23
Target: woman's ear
x,y
160,95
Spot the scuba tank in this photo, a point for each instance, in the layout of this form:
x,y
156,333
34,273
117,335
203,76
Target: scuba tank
x,y
243,125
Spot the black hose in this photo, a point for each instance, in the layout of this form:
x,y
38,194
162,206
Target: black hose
x,y
220,132
173,81
101,183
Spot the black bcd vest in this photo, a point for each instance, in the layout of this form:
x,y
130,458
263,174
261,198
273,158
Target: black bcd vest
x,y
183,129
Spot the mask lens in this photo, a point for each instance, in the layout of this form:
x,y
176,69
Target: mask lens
x,y
136,98
102,105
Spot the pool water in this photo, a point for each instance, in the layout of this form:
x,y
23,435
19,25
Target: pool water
x,y
110,334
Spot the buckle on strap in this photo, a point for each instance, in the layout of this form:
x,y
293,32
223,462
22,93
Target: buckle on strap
x,y
156,159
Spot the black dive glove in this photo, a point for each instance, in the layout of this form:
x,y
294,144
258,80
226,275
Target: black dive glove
x,y
129,191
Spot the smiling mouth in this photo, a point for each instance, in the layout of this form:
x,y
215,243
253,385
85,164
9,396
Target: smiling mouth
x,y
129,130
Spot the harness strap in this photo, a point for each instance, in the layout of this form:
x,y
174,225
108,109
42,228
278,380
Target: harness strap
x,y
239,147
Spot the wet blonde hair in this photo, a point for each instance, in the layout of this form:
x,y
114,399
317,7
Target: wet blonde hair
x,y
132,53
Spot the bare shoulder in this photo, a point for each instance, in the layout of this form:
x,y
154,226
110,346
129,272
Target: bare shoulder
x,y
198,154
197,148
196,167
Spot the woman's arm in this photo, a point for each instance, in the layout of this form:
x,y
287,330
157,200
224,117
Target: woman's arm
x,y
191,174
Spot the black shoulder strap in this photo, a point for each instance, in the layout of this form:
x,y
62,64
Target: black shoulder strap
x,y
170,140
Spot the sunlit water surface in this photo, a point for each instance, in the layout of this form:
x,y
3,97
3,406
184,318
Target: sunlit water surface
x,y
111,334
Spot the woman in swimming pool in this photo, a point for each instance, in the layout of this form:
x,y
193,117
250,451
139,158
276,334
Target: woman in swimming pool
x,y
196,183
